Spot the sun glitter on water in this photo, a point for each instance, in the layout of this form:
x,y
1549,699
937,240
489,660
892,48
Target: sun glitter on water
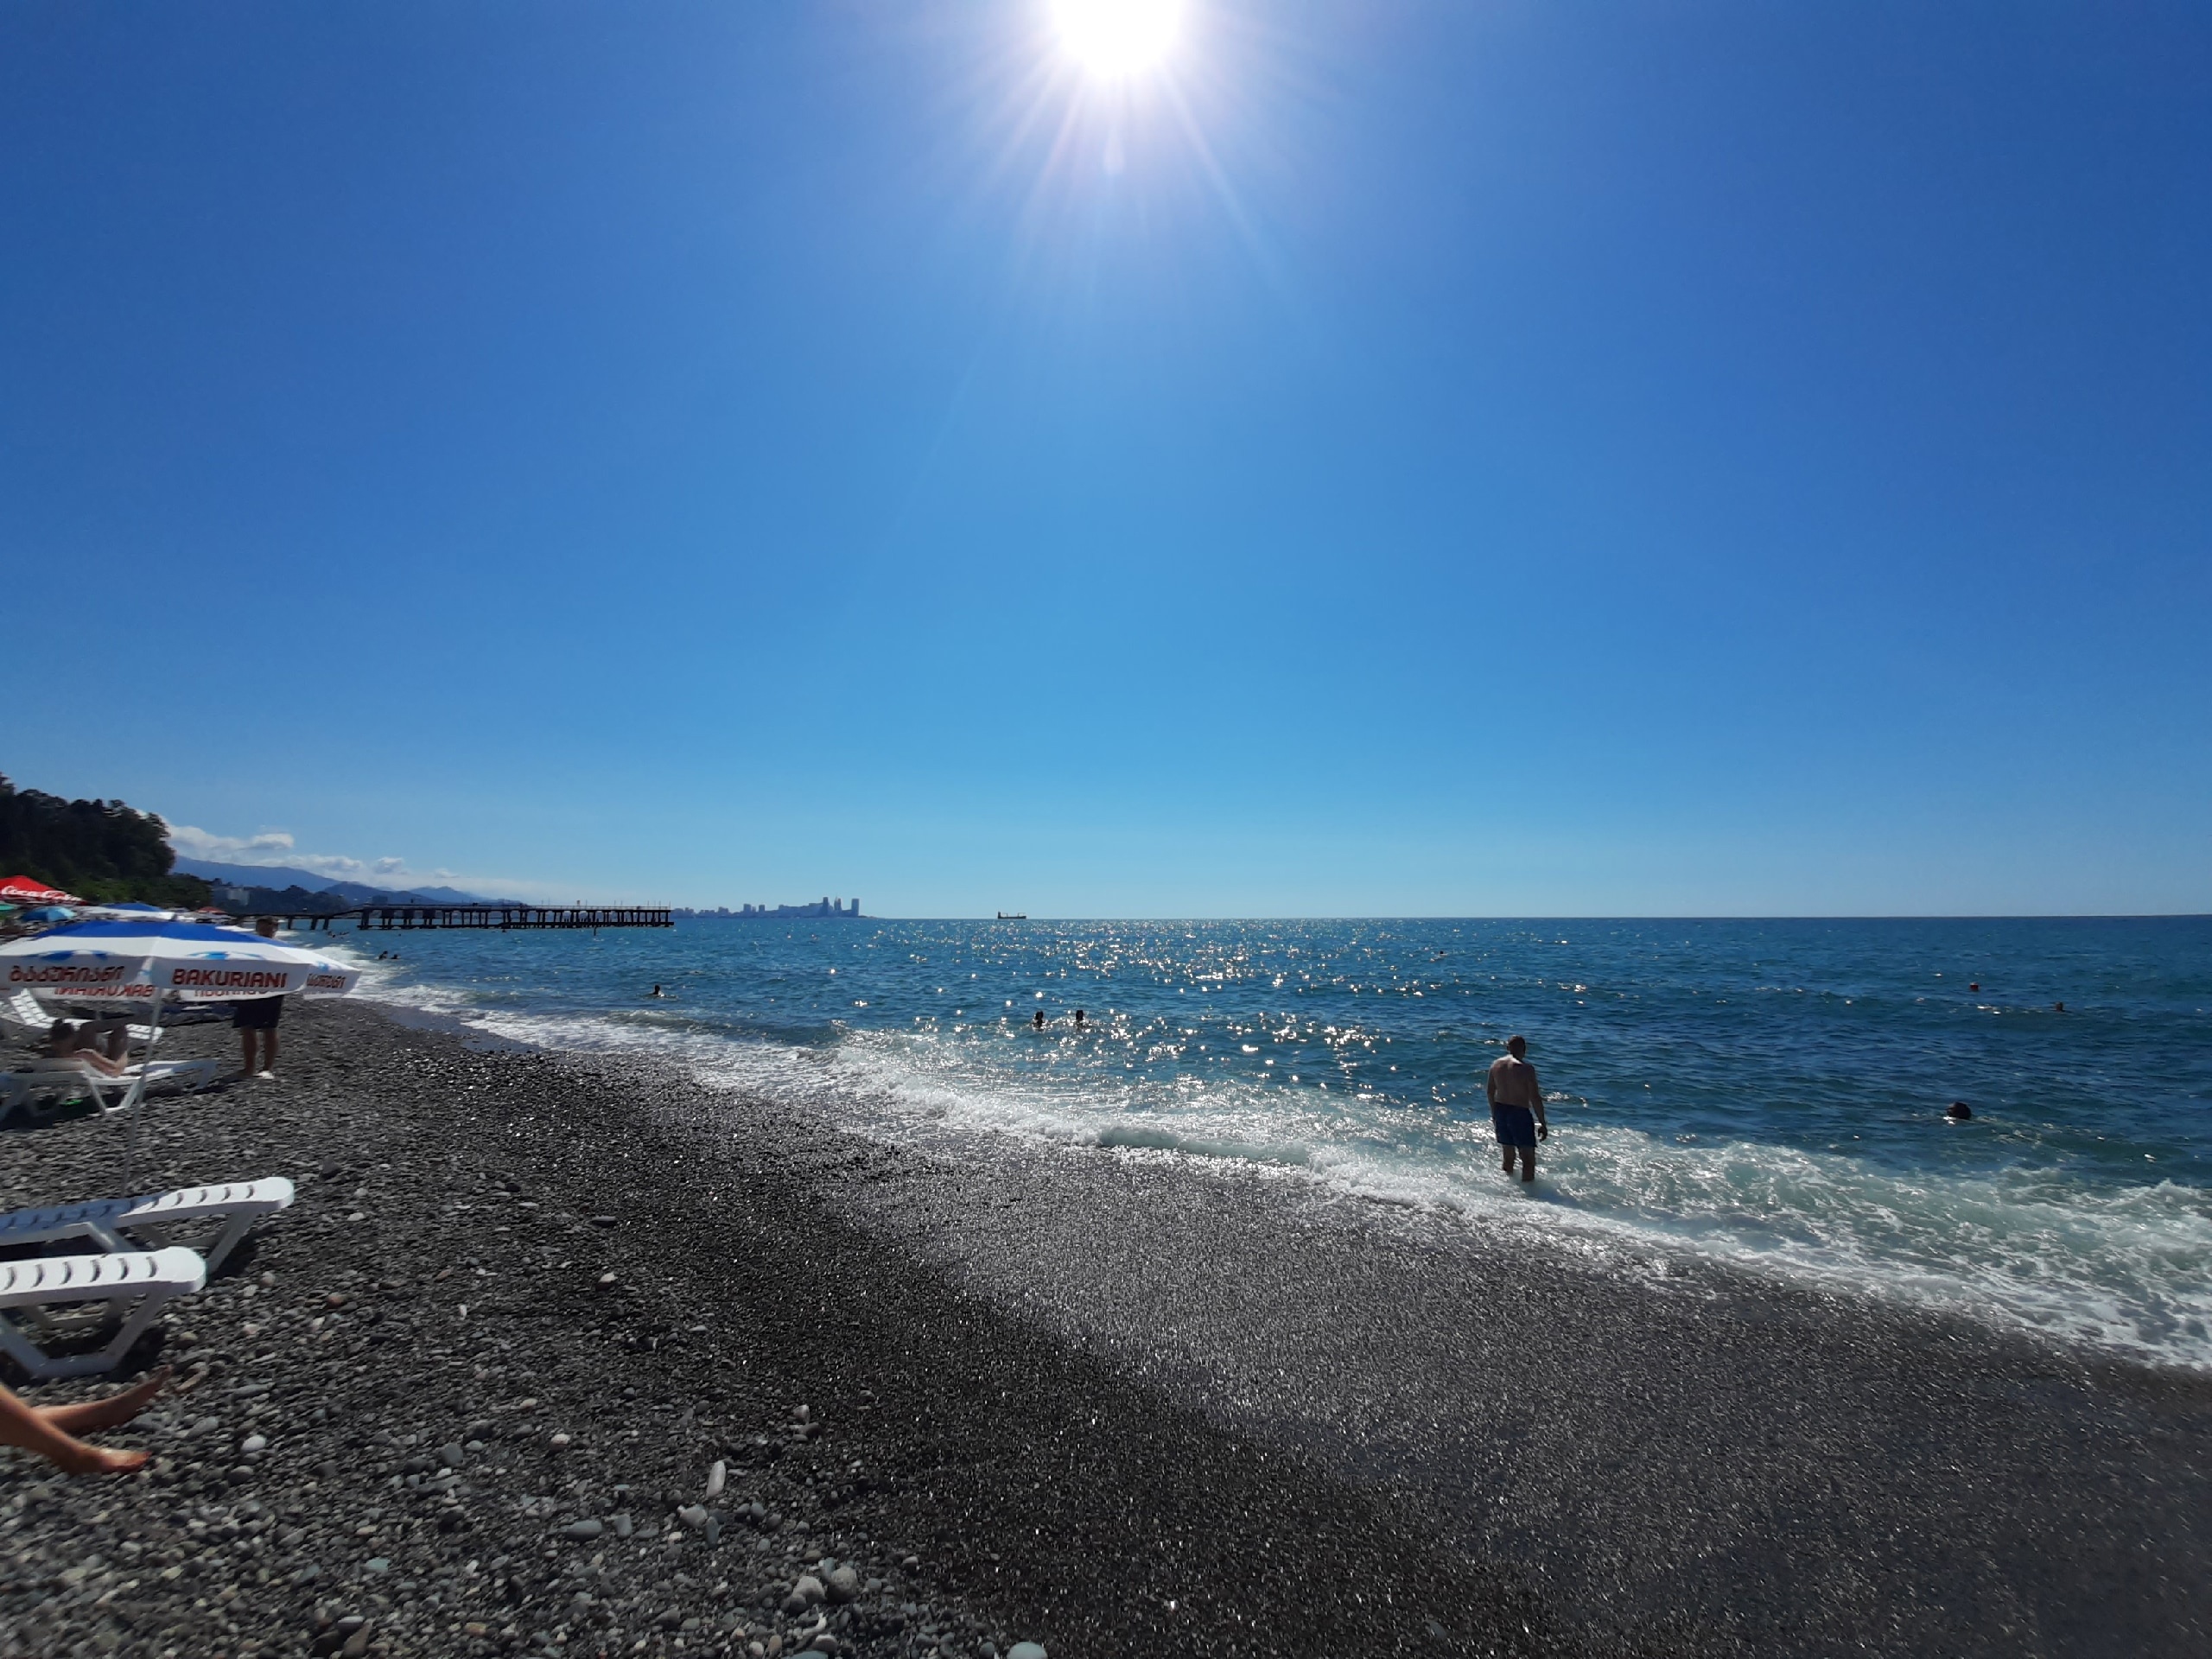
x,y
1118,38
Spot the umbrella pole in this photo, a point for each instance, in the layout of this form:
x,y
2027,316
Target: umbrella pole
x,y
132,1100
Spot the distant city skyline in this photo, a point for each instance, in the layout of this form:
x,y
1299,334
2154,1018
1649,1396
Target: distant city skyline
x,y
1348,460
825,908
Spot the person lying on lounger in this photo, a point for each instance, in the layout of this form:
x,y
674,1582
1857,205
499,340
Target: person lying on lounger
x,y
65,1041
51,1431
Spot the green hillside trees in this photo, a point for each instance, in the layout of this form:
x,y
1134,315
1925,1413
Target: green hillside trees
x,y
96,850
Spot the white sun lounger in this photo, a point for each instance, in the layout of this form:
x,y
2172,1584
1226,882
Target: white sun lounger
x,y
22,1008
31,1291
66,1078
234,1207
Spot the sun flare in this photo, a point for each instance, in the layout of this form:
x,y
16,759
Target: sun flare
x,y
1118,37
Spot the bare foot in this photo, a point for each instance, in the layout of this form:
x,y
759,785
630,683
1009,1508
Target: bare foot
x,y
106,1414
98,1460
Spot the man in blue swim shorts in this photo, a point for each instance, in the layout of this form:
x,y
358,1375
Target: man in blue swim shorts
x,y
1516,1107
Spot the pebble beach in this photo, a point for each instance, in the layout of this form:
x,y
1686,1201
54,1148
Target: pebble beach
x,y
569,1354
475,1393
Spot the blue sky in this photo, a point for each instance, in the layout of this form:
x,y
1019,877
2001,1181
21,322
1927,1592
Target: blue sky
x,y
1392,457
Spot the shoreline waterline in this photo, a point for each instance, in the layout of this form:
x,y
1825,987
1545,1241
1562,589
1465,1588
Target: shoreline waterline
x,y
2029,1218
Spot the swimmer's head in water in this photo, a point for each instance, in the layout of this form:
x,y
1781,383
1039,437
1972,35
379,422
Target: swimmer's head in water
x,y
1959,1111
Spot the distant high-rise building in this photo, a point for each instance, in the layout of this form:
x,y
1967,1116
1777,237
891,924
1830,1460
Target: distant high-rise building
x,y
821,908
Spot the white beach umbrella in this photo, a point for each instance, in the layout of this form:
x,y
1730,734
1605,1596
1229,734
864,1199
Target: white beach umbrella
x,y
60,966
147,961
115,964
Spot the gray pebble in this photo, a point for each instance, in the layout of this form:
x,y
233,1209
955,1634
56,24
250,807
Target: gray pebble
x,y
806,1593
693,1516
1026,1650
283,1537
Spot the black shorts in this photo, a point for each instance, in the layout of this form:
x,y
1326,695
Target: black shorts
x,y
257,1013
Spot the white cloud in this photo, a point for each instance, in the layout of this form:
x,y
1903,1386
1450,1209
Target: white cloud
x,y
278,846
275,847
269,846
332,864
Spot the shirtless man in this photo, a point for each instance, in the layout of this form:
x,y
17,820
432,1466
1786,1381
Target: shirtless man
x,y
1516,1107
258,1015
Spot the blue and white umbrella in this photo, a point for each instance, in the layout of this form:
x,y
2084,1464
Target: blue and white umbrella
x,y
130,911
112,962
123,965
55,966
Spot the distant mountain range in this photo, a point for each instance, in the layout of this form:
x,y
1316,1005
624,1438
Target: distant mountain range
x,y
277,877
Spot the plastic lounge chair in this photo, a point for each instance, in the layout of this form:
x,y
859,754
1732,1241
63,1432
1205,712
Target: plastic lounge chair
x,y
22,1008
35,1288
236,1205
43,1084
67,1077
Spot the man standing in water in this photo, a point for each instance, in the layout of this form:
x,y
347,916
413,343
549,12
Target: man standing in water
x,y
1516,1107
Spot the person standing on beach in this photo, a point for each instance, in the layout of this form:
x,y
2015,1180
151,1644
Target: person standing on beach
x,y
1516,1107
259,1013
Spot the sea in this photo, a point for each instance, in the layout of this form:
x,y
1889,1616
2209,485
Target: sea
x,y
1771,1094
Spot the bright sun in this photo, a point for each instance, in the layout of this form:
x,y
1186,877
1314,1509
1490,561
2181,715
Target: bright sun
x,y
1118,37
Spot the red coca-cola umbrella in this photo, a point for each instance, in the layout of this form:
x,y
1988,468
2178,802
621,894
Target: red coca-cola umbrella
x,y
28,890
